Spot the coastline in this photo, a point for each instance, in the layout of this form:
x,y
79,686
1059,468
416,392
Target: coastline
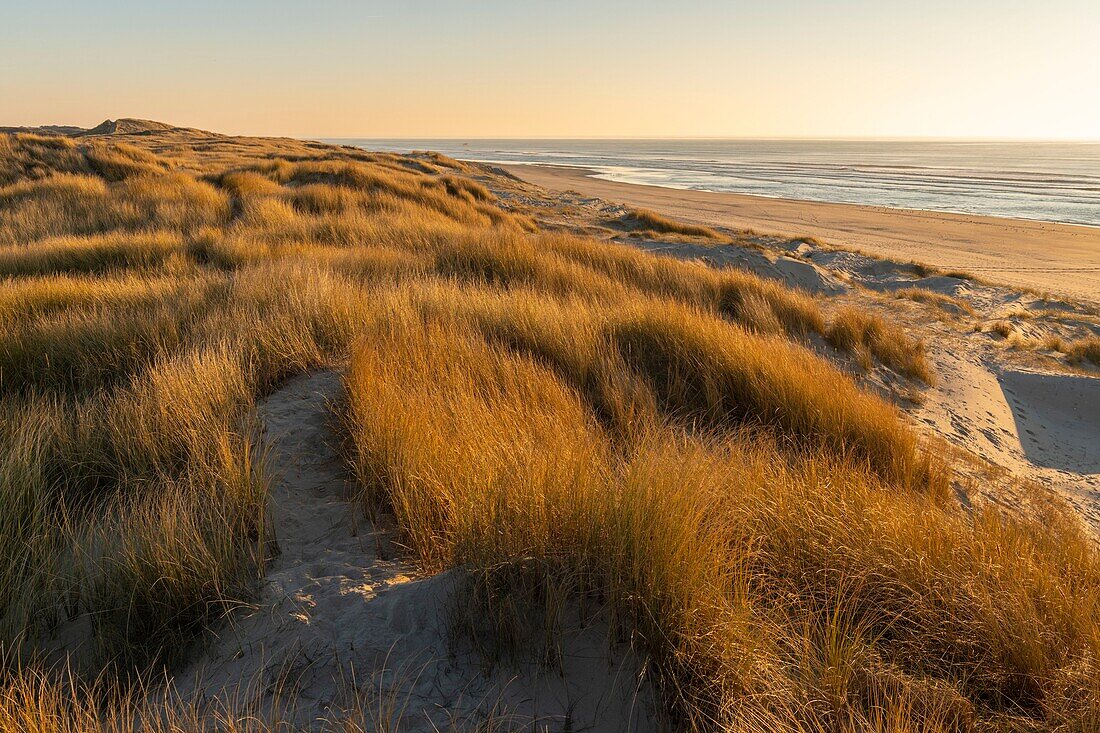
x,y
1045,256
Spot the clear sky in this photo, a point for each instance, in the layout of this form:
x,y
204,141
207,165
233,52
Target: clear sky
x,y
560,68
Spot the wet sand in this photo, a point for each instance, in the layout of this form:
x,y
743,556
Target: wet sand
x,y
1062,259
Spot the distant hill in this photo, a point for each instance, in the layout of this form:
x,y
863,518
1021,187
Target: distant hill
x,y
63,130
127,126
121,126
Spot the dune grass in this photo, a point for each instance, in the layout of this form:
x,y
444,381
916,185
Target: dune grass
x,y
28,157
1079,352
559,417
774,585
93,254
650,222
1084,349
950,304
870,337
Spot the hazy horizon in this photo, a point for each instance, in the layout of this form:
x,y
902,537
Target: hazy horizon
x,y
602,69
742,138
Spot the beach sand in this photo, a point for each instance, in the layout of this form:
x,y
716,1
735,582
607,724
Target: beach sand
x,y
1057,258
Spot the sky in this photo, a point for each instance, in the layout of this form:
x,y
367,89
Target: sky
x,y
560,68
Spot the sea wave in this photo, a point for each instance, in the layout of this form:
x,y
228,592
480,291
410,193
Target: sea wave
x,y
1057,182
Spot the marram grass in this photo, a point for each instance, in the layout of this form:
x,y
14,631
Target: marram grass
x,y
560,417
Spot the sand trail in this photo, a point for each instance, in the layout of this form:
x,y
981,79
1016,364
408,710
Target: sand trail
x,y
338,628
968,409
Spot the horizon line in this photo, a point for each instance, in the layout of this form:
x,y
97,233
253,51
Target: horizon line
x,y
791,138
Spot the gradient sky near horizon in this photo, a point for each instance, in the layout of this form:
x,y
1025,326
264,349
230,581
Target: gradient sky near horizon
x,y
571,68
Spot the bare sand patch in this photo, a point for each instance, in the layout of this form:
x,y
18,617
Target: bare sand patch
x,y
338,629
1057,417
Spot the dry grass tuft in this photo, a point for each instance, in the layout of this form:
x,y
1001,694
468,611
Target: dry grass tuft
x,y
944,302
1081,350
867,335
646,221
1002,328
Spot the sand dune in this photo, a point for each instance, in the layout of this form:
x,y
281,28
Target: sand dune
x,y
1040,426
340,622
1058,258
1057,418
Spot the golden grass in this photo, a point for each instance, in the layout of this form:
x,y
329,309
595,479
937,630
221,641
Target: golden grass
x,y
1078,352
1084,349
1002,328
38,701
93,254
25,157
71,204
869,336
562,418
650,222
944,302
773,588
757,304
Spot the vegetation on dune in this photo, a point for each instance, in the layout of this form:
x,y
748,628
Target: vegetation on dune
x,y
558,417
1080,352
944,302
28,157
791,586
650,222
871,337
1084,349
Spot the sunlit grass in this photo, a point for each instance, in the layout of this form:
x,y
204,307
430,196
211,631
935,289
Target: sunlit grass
x,y
650,222
791,585
557,416
871,337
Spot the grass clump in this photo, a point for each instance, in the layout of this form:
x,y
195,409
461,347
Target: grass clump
x,y
1001,328
706,371
867,336
646,221
944,302
1082,350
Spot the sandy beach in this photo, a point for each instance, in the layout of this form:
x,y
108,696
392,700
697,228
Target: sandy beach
x,y
1056,258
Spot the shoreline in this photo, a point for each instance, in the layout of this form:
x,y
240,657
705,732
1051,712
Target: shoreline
x,y
1046,256
599,175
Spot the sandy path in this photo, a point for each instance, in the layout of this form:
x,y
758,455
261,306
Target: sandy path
x,y
338,628
1057,258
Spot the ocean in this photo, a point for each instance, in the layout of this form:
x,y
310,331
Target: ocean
x,y
1047,181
